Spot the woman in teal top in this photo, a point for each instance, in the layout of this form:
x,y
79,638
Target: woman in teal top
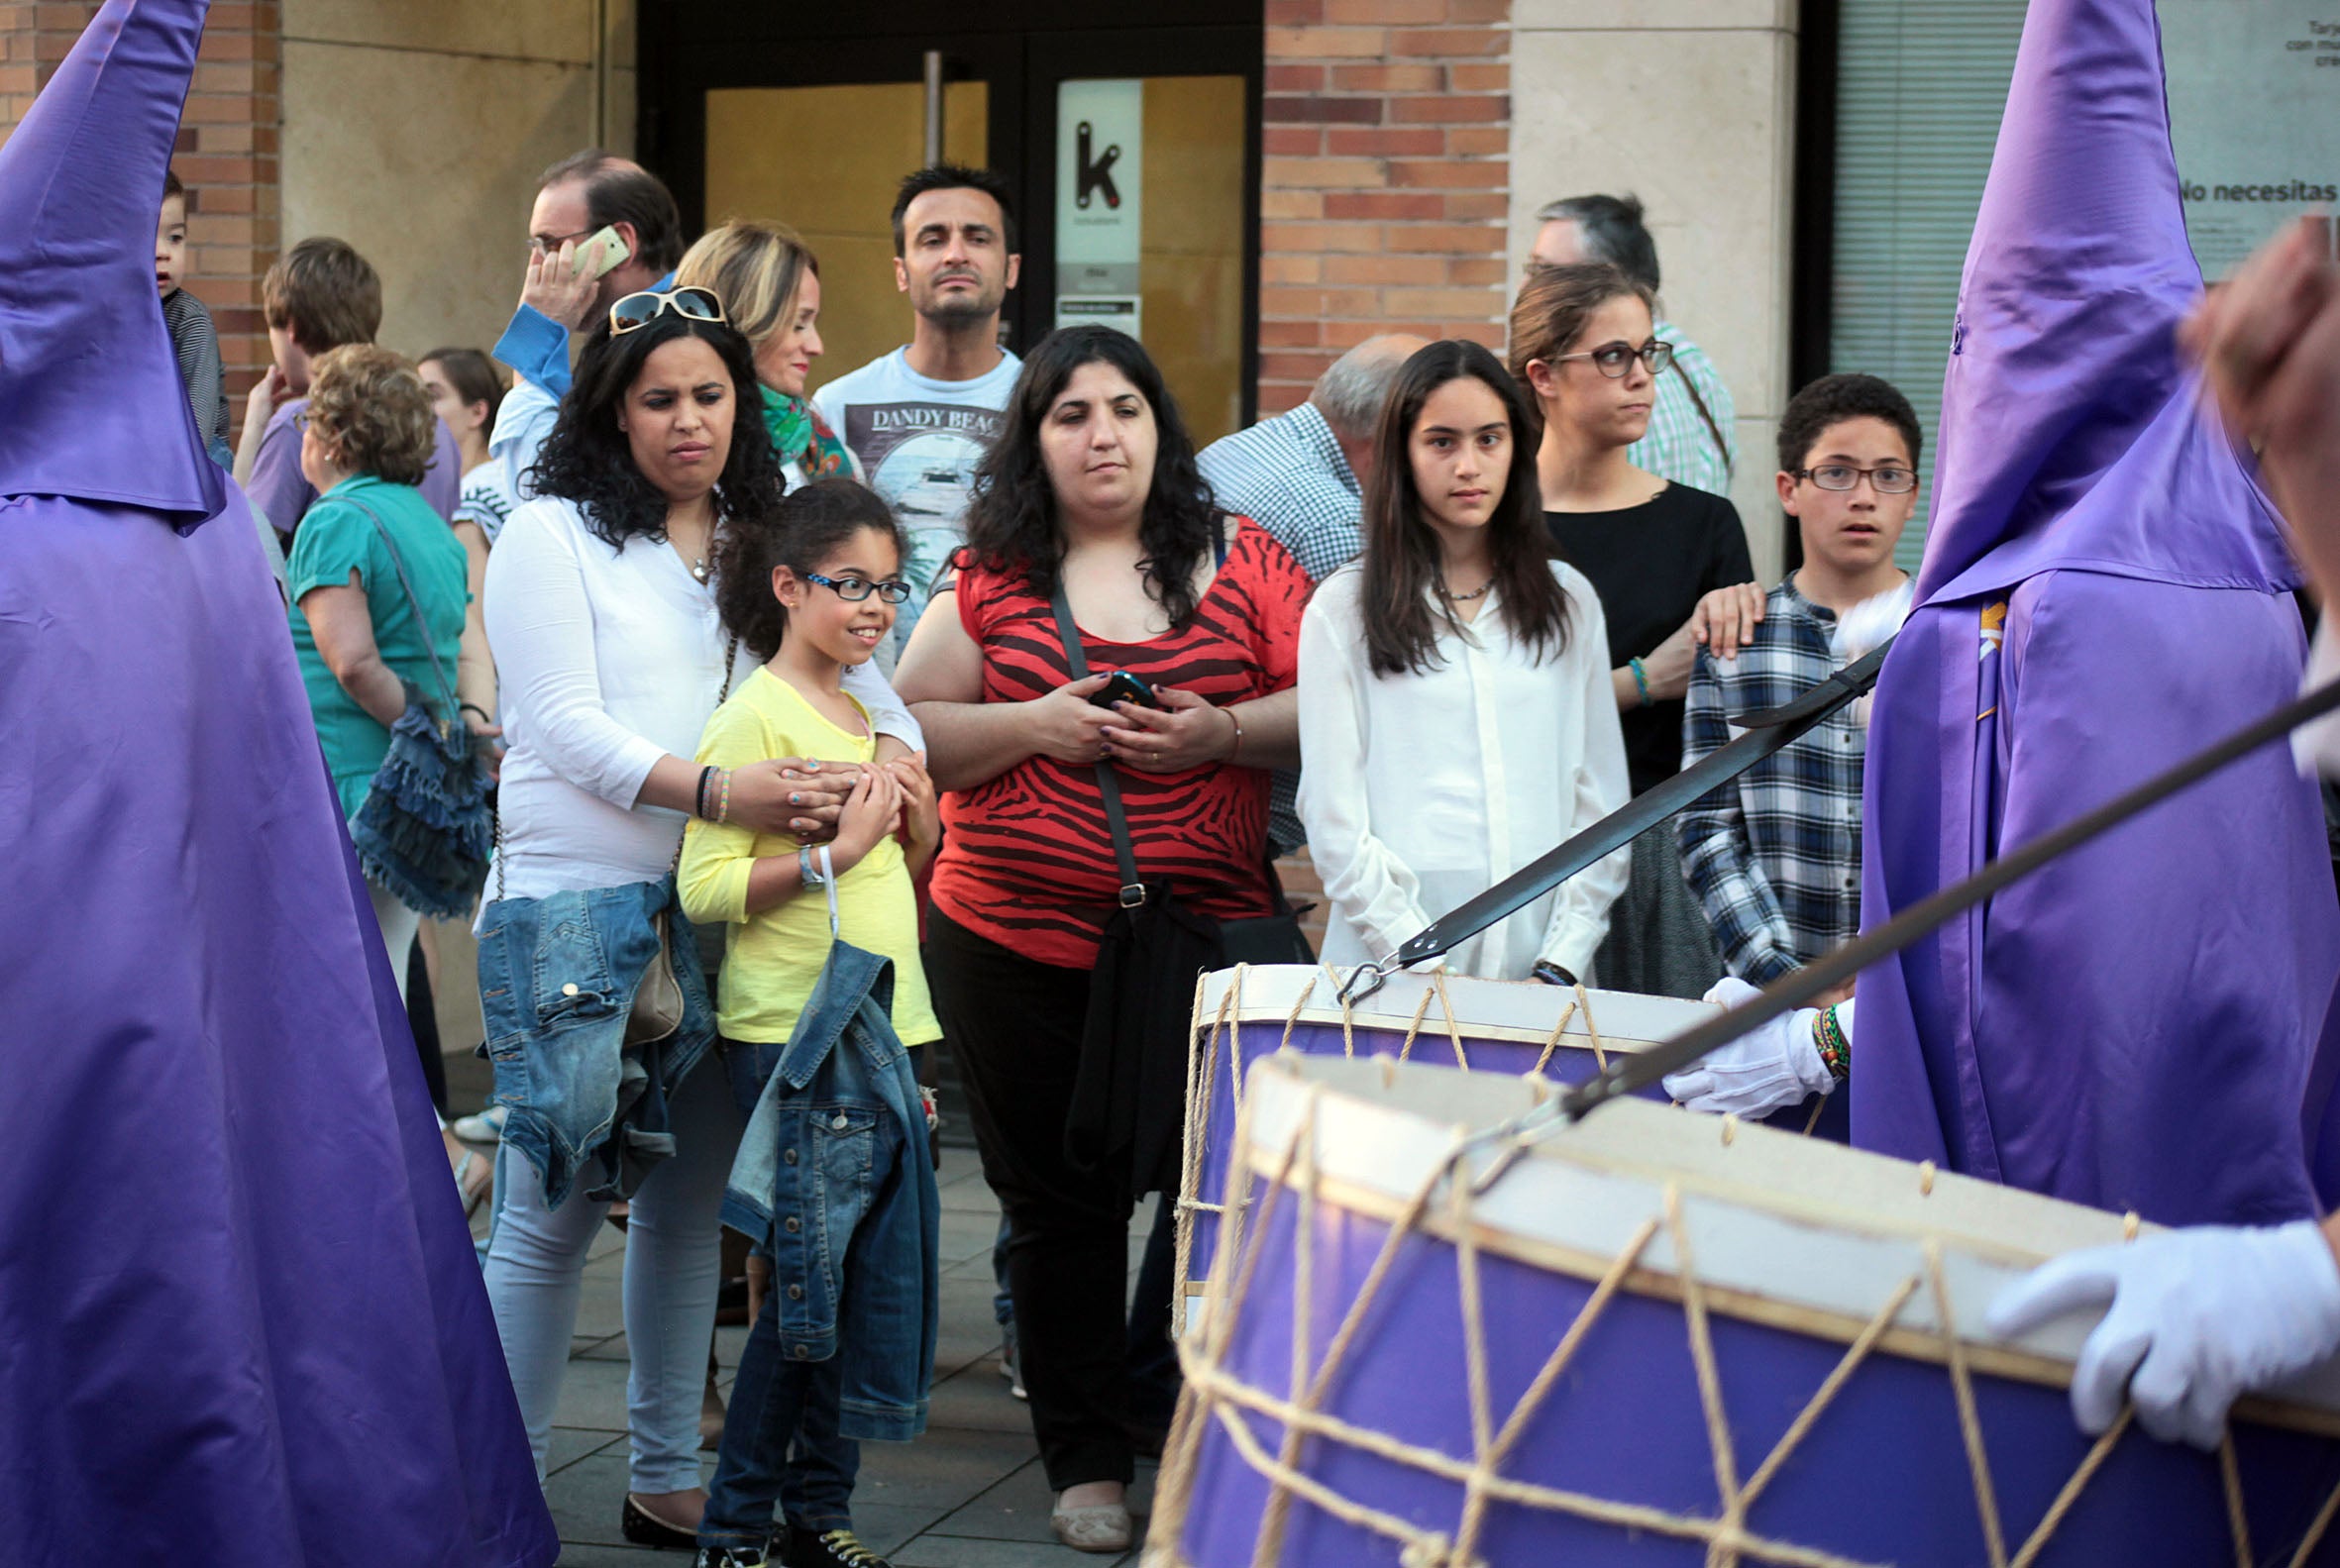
x,y
367,436
365,443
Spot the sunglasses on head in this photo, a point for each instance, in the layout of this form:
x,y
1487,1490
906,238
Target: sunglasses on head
x,y
642,308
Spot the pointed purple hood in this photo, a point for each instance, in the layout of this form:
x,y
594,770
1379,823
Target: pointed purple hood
x,y
90,400
2066,409
241,1318
2104,593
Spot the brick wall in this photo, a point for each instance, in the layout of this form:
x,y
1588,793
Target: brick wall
x,y
1384,183
227,153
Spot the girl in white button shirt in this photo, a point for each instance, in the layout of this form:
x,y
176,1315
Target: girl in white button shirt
x,y
1455,714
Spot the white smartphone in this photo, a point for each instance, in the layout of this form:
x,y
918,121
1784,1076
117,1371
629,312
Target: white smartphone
x,y
602,251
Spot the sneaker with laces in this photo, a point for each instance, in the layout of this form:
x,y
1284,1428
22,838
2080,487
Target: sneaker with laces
x,y
832,1549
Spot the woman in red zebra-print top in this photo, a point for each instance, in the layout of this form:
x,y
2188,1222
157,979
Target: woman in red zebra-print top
x,y
1091,485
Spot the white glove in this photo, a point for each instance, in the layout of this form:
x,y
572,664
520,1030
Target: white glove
x,y
1773,1067
2198,1315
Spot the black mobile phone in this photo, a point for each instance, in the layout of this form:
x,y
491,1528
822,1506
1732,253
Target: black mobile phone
x,y
1122,686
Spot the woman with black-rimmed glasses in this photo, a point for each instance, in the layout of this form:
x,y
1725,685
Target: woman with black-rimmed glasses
x,y
611,657
1583,343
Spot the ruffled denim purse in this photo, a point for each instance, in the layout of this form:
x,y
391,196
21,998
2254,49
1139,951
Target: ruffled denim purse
x,y
425,829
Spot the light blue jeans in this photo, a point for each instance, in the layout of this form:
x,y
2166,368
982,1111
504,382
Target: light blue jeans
x,y
536,1260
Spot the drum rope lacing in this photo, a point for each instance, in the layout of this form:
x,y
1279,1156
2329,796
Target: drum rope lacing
x,y
1202,1074
1213,1396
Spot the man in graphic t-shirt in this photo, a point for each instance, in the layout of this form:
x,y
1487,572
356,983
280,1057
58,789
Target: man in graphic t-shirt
x,y
921,418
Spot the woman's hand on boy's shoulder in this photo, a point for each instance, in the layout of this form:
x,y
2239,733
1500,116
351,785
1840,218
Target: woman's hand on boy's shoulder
x,y
1725,620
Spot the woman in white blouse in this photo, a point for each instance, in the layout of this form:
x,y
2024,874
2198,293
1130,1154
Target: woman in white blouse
x,y
611,658
1455,714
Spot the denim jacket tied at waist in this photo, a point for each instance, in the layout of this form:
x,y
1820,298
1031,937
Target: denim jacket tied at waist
x,y
557,981
834,1180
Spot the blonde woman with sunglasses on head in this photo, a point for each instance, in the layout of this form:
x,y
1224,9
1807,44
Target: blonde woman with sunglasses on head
x,y
612,657
771,283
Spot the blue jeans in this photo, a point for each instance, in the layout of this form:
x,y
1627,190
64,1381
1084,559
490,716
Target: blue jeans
x,y
777,1403
535,1274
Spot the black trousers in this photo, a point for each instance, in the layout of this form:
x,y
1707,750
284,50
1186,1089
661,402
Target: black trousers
x,y
1016,1027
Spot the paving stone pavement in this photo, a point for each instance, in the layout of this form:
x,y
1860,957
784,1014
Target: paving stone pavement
x,y
969,1494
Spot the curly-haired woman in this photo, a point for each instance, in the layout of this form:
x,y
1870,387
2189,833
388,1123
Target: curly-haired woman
x,y
367,436
612,657
1090,492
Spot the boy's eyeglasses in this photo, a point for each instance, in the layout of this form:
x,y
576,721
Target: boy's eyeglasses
x,y
853,589
1889,478
1613,359
641,309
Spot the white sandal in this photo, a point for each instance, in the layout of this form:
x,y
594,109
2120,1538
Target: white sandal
x,y
1098,1528
474,1180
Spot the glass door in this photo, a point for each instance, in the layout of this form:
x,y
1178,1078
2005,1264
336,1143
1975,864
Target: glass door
x,y
1146,145
869,135
811,119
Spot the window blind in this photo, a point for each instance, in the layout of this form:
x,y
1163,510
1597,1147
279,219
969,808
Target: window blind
x,y
1921,87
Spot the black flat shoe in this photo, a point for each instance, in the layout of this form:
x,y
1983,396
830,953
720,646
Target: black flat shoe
x,y
645,1529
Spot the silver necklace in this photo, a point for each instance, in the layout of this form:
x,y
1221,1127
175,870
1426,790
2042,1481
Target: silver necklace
x,y
1478,592
699,570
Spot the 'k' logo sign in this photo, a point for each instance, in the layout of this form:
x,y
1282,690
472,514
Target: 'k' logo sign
x,y
1096,174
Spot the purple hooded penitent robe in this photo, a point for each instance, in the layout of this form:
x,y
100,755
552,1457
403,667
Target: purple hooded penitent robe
x,y
240,1322
2105,590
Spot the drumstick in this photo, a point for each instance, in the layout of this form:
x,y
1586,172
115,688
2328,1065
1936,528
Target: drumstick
x,y
1809,983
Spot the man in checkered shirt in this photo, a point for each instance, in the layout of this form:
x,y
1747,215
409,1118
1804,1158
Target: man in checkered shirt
x,y
1774,856
1300,475
1689,440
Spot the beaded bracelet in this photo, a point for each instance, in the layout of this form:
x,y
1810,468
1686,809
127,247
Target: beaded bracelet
x,y
723,797
1836,1052
1641,679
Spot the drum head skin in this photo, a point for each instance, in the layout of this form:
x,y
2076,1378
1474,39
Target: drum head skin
x,y
1502,1027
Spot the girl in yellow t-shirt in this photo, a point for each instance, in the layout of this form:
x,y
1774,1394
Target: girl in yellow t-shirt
x,y
809,592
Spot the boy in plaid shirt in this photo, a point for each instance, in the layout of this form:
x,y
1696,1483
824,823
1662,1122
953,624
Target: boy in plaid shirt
x,y
1774,856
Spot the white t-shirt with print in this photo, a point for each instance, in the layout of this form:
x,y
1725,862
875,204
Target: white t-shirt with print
x,y
918,441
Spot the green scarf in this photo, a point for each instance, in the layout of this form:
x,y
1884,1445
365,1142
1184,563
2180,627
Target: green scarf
x,y
800,436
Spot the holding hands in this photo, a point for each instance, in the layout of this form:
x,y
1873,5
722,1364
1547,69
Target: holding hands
x,y
921,812
871,810
800,795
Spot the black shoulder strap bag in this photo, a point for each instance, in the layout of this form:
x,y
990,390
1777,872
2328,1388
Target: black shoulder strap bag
x,y
1129,1110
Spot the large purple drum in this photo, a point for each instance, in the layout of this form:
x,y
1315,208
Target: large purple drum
x,y
1448,1329
1479,1025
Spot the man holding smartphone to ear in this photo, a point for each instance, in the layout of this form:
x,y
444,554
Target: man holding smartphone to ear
x,y
604,227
